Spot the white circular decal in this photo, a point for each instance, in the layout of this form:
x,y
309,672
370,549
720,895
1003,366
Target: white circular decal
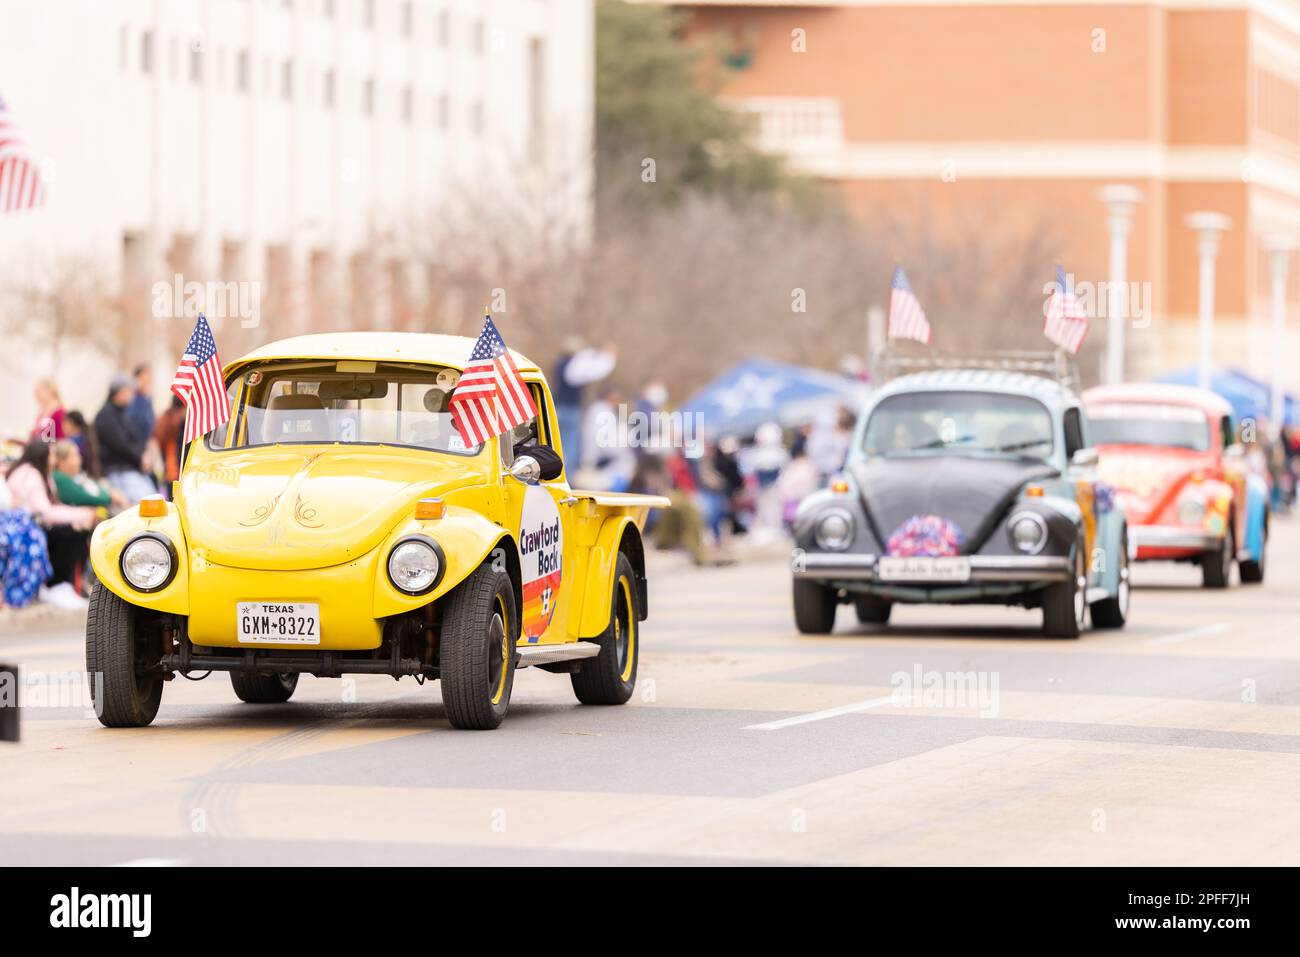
x,y
541,551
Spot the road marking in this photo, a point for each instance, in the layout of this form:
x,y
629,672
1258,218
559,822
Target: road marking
x,y
1179,636
821,715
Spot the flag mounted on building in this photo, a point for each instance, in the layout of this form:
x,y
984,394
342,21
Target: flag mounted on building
x,y
906,317
20,181
1064,321
490,397
199,385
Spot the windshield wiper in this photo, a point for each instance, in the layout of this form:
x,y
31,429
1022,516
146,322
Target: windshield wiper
x,y
1018,446
939,443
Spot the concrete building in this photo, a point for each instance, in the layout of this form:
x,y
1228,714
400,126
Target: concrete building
x,y
1034,107
306,147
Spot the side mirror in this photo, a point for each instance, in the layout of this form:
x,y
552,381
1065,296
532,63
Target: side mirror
x,y
526,469
1084,458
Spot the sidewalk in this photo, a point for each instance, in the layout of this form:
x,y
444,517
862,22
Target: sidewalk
x,y
38,616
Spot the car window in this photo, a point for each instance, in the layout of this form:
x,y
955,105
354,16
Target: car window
x,y
346,402
1073,426
959,423
1149,423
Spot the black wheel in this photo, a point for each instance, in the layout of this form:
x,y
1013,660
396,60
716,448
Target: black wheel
x,y
872,610
263,689
1066,604
1113,612
1216,564
814,607
476,654
121,640
610,677
1252,570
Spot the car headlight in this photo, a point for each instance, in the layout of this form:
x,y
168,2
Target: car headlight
x,y
834,530
1028,532
1191,510
415,565
148,562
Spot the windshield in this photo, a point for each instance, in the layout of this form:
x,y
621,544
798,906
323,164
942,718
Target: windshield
x,y
346,401
959,423
1149,423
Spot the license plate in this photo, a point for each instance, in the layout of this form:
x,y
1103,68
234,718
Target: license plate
x,y
278,622
924,569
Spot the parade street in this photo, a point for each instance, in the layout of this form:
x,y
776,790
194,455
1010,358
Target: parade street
x,y
954,736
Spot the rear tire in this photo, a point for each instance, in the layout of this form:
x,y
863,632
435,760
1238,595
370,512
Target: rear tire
x,y
119,647
610,677
476,654
1065,604
263,689
814,607
872,610
1216,564
1252,570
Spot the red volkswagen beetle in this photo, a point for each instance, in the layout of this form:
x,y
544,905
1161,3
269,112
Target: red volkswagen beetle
x,y
1172,456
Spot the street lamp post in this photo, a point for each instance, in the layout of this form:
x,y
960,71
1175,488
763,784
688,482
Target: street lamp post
x,y
1120,200
1279,253
1209,228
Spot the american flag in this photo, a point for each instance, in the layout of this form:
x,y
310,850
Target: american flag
x,y
20,182
906,317
490,397
1064,321
198,383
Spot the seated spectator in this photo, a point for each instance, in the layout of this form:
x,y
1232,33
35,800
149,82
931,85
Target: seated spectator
x,y
75,487
67,527
83,437
121,446
24,558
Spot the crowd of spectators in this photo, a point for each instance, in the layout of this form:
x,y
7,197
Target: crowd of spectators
x,y
71,473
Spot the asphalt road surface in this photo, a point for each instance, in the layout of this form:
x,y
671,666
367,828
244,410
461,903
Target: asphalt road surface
x,y
954,736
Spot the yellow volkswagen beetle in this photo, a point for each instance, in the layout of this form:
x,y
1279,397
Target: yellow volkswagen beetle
x,y
339,524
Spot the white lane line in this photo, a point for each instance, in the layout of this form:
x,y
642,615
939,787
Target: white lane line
x,y
1202,632
820,715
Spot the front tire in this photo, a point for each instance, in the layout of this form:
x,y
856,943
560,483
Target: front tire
x,y
1066,604
263,689
814,607
1216,564
1113,612
476,655
124,687
610,677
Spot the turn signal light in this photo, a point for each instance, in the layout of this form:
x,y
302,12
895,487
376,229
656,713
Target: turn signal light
x,y
153,506
839,486
1034,491
429,508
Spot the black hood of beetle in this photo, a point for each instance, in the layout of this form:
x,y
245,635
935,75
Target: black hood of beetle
x,y
972,493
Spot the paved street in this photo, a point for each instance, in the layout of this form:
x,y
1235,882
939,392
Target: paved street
x,y
1175,741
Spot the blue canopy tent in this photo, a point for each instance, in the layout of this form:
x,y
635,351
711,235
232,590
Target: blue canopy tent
x,y
758,391
1248,396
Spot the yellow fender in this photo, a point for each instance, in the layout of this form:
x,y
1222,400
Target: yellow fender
x,y
598,590
466,538
106,548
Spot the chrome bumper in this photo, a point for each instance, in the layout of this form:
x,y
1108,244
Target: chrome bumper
x,y
1166,536
821,566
